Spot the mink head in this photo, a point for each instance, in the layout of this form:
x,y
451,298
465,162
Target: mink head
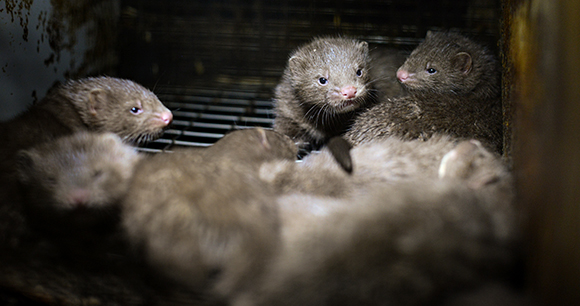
x,y
79,175
331,74
449,63
120,106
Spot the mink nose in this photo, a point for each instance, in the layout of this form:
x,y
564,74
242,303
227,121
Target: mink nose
x,y
348,92
167,117
402,75
79,198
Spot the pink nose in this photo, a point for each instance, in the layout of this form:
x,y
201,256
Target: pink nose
x,y
402,75
348,92
79,198
167,117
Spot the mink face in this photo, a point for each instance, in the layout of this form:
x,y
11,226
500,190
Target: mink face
x,y
324,83
331,74
75,182
102,104
448,63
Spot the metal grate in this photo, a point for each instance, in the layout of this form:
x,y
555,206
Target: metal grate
x,y
202,116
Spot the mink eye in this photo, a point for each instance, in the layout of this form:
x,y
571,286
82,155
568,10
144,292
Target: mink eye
x,y
359,73
136,110
97,174
322,81
50,180
431,70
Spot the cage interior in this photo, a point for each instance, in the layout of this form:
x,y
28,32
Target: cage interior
x,y
215,64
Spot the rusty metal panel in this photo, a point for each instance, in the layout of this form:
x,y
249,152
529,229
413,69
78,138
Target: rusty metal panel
x,y
542,74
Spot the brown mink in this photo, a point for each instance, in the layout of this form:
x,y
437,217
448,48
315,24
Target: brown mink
x,y
78,254
202,217
410,243
325,83
100,104
454,88
72,186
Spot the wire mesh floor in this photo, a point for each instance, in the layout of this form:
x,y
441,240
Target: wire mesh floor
x,y
201,117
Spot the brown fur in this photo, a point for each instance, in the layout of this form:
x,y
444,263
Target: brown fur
x,y
461,98
390,160
410,243
101,104
202,217
72,186
309,111
71,251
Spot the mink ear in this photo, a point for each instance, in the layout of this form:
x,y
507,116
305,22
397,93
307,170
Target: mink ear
x,y
364,46
25,164
429,34
97,100
263,138
295,64
463,62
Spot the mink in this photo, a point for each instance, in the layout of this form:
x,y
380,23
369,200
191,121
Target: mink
x,y
390,160
71,249
73,185
453,86
411,243
96,104
202,217
324,84
99,104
